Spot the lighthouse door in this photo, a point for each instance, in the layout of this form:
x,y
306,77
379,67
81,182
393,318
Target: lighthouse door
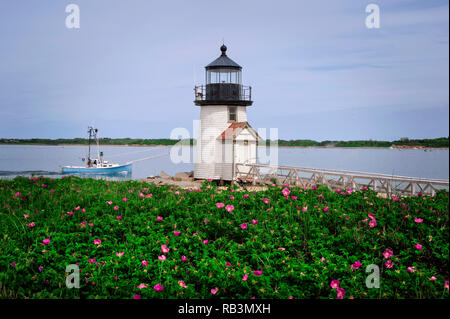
x,y
241,151
242,155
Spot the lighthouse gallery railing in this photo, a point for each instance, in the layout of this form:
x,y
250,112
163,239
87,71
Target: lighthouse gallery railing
x,y
225,92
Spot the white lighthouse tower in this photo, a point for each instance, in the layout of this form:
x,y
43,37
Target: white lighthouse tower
x,y
224,137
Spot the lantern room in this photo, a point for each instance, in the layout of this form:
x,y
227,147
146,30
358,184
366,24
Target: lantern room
x,y
223,83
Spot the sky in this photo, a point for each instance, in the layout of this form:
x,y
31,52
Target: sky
x,y
316,71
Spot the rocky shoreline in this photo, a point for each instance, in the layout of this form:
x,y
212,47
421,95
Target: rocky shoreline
x,y
182,179
185,180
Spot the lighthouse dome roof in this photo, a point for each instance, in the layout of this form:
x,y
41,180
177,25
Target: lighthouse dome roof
x,y
223,61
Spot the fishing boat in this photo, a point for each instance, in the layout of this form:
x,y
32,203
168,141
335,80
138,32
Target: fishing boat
x,y
96,165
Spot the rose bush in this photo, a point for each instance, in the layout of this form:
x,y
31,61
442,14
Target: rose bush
x,y
137,240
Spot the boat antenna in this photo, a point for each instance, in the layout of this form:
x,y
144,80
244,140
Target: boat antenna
x,y
98,146
89,144
92,134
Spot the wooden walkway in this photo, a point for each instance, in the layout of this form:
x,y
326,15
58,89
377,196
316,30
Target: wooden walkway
x,y
337,179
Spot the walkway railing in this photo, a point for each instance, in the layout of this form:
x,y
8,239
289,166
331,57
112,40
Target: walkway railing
x,y
334,179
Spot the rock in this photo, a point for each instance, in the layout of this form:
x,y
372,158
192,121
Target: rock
x,y
164,175
183,176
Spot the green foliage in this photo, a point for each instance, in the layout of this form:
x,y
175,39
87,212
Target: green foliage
x,y
437,142
298,251
102,141
442,142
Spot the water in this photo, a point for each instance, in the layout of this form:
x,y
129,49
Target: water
x,y
45,160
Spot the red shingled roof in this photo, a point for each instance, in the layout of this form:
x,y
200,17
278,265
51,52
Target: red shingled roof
x,y
231,130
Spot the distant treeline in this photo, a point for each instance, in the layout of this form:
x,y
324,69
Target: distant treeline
x,y
102,141
436,142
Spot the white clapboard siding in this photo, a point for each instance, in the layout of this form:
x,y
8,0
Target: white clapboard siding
x,y
213,121
214,159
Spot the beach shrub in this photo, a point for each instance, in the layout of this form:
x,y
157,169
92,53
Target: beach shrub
x,y
138,240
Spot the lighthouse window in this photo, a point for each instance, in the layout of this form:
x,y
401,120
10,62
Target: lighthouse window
x,y
214,77
223,76
232,114
233,77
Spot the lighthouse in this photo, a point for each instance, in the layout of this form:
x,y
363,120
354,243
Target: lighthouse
x,y
224,137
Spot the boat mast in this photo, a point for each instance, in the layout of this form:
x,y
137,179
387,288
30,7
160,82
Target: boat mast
x,y
92,134
89,143
98,146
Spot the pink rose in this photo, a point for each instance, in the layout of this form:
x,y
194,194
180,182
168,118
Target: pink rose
x,y
285,192
229,208
214,290
340,293
158,287
220,205
164,249
356,265
182,284
388,253
334,284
